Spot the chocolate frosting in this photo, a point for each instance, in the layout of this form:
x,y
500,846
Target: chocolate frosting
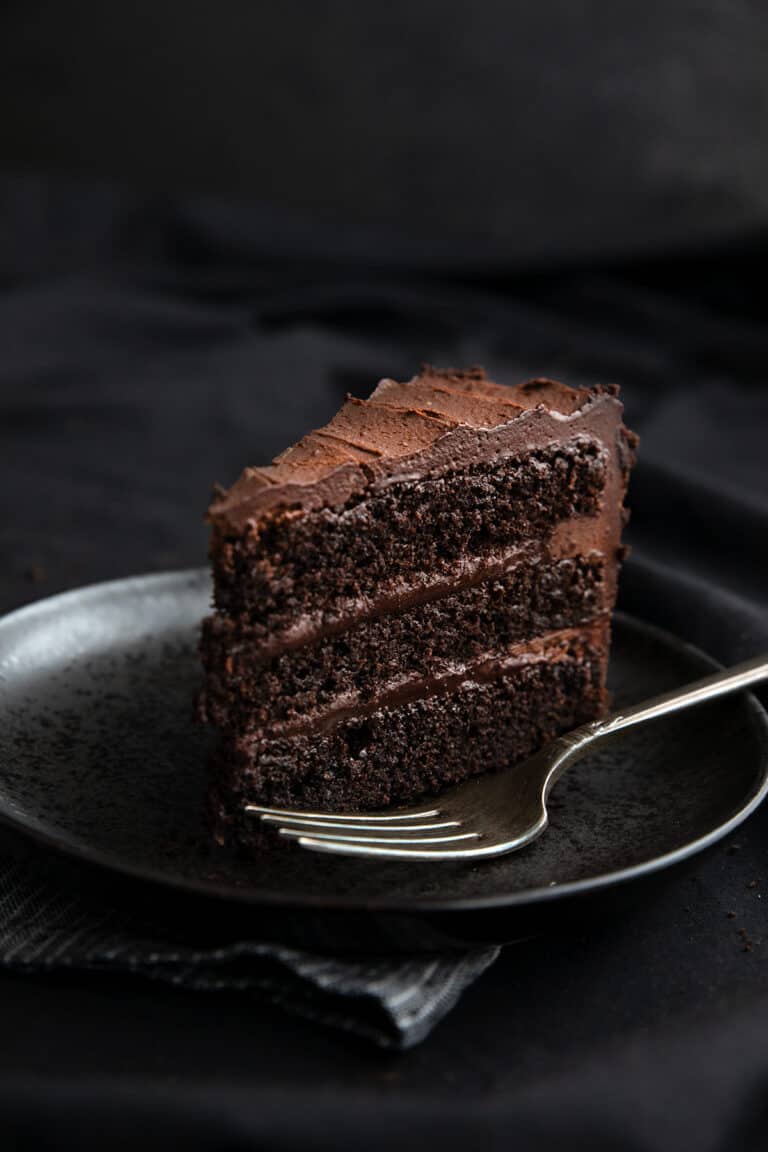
x,y
550,648
439,419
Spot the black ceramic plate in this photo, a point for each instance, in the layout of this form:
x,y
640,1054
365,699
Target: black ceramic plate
x,y
101,760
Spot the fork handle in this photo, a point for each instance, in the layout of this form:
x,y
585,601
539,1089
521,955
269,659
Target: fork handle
x,y
718,684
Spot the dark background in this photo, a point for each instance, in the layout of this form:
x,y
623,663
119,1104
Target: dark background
x,y
518,132
215,221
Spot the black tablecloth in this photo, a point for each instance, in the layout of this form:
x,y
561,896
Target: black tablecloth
x,y
147,350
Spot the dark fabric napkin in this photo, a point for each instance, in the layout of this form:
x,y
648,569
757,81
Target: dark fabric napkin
x,y
131,380
393,1001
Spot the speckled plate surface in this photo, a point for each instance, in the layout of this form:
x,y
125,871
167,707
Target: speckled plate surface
x,y
102,761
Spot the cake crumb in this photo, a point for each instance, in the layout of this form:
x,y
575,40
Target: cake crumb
x,y
745,940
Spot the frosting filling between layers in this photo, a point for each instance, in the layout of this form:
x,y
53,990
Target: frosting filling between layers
x,y
248,686
319,564
550,649
578,536
400,753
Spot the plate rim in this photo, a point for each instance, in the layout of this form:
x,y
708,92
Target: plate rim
x,y
227,894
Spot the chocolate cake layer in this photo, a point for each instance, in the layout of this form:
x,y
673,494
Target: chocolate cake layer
x,y
251,686
395,754
295,566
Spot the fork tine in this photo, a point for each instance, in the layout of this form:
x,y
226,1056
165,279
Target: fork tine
x,y
288,813
372,839
347,826
441,852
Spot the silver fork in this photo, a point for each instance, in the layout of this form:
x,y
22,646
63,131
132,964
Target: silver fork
x,y
493,814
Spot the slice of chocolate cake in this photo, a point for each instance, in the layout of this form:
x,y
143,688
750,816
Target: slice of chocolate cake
x,y
418,592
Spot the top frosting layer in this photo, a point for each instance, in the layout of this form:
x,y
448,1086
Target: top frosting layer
x,y
371,439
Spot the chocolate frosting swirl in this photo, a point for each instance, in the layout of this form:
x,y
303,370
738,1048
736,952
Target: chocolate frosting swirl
x,y
440,418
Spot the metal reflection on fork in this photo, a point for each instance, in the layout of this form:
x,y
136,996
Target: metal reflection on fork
x,y
493,814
